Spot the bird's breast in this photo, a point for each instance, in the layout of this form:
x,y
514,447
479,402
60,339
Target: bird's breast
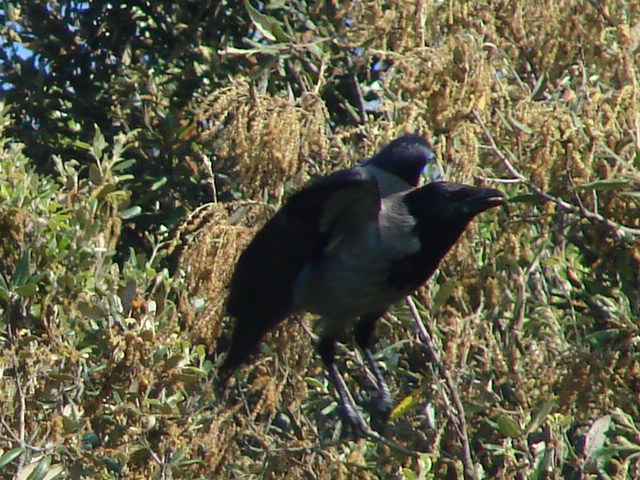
x,y
353,279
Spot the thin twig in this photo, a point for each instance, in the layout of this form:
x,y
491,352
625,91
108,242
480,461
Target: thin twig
x,y
377,438
619,230
467,460
22,410
498,180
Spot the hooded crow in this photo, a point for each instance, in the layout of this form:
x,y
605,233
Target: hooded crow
x,y
347,247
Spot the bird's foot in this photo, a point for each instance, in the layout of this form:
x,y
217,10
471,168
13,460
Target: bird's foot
x,y
384,402
383,406
361,429
352,417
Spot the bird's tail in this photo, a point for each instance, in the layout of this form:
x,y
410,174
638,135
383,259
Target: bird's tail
x,y
244,341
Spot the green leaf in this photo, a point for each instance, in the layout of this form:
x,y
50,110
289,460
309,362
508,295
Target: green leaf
x,y
28,290
10,456
55,471
508,426
597,435
41,469
604,184
90,440
194,371
316,50
95,175
280,34
21,273
519,125
99,144
92,311
539,86
112,465
131,212
159,183
71,425
268,26
123,165
443,294
314,383
425,463
409,474
603,337
187,378
631,194
541,414
173,362
504,121
81,144
177,456
124,178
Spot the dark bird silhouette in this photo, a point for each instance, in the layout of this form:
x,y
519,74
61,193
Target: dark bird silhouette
x,y
347,247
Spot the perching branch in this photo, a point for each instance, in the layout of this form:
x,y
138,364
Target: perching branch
x,y
460,417
507,158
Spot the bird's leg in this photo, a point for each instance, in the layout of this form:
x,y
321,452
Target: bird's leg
x,y
363,334
327,350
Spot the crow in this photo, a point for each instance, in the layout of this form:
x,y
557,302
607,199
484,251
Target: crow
x,y
347,247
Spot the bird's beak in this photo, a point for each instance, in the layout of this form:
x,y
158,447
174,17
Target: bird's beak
x,y
480,200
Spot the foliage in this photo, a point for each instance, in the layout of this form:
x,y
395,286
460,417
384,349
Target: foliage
x,y
124,119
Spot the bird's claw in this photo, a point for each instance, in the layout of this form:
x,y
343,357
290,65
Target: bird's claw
x,y
356,422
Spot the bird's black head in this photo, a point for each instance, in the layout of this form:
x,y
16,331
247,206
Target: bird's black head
x,y
406,157
443,210
452,203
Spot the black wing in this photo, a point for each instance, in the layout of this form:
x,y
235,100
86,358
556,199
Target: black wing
x,y
262,286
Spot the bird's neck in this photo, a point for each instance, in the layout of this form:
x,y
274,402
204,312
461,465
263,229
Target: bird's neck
x,y
411,271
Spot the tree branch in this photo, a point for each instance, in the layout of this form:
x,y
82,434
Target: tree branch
x,y
460,418
506,159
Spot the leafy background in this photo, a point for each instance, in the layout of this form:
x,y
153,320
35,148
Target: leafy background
x,y
144,142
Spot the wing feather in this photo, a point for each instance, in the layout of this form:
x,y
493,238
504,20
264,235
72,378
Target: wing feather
x,y
266,272
262,286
